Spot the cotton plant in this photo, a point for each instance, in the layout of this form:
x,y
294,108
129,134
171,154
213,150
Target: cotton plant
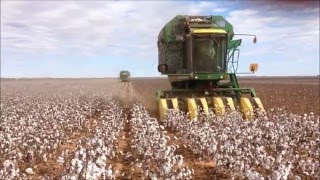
x,y
159,160
278,143
37,118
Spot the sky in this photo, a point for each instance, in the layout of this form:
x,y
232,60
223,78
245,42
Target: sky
x,y
100,38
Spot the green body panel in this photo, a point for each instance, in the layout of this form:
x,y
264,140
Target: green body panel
x,y
234,44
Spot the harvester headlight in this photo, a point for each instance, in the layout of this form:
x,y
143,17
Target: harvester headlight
x,y
162,68
196,77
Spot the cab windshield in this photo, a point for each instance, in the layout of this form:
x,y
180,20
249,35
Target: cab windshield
x,y
209,53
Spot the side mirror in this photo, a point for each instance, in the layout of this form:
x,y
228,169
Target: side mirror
x,y
253,68
255,39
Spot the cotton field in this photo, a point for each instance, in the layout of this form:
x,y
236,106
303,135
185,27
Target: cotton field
x,y
103,129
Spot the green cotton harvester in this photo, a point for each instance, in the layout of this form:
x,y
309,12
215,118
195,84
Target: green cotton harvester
x,y
124,76
200,57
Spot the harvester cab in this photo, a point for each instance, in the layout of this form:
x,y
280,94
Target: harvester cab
x,y
200,58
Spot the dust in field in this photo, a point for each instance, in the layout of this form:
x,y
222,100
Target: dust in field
x,y
145,89
127,96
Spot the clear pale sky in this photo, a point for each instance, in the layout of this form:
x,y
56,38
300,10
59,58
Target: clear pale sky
x,y
100,38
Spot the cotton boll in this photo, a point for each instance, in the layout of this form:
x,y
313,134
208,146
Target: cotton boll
x,y
29,171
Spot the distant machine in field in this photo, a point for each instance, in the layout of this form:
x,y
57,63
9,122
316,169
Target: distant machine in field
x,y
124,76
200,56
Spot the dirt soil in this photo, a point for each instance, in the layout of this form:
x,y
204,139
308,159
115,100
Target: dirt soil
x,y
296,95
